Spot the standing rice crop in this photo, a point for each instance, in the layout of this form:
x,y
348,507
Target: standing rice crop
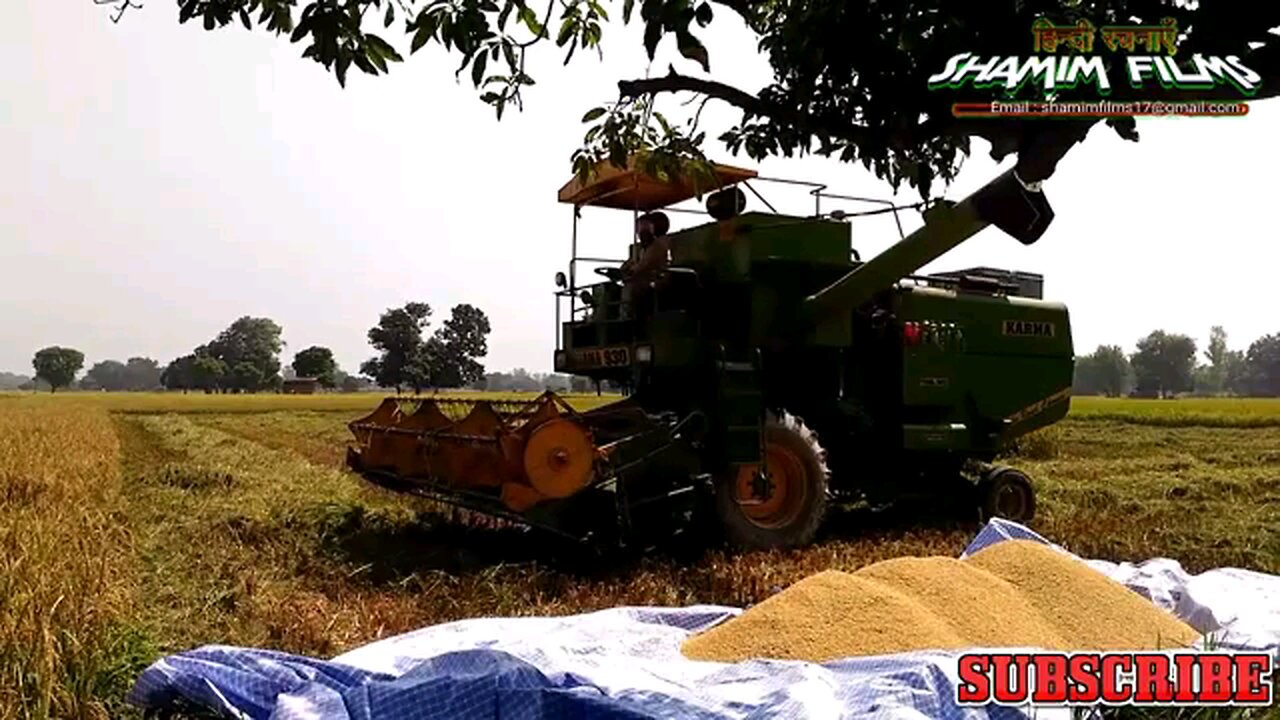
x,y
61,559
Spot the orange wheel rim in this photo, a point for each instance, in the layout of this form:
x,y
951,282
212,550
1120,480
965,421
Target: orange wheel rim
x,y
784,472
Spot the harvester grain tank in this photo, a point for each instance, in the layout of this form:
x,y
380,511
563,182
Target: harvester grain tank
x,y
769,373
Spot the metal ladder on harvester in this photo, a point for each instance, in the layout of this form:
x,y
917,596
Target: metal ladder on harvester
x,y
741,405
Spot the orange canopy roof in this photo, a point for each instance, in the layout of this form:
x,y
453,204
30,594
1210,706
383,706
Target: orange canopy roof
x,y
629,188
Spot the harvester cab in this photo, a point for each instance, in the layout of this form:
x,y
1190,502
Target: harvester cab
x,y
766,370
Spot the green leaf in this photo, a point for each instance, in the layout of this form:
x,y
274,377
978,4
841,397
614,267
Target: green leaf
x,y
372,61
420,38
530,19
618,156
627,7
692,48
652,34
446,24
477,69
593,114
344,61
666,127
391,15
208,20
283,20
566,31
703,14
244,20
505,14
383,48
363,62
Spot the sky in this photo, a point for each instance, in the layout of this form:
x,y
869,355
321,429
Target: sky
x,y
160,181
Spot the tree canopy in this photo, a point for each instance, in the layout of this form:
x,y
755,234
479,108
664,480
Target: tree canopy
x,y
449,358
850,78
1164,364
317,362
1263,363
250,349
454,352
1105,371
398,339
57,366
136,374
245,357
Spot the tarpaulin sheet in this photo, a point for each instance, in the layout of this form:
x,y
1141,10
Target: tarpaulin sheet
x,y
625,663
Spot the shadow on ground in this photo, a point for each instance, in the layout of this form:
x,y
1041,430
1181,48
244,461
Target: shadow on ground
x,y
390,548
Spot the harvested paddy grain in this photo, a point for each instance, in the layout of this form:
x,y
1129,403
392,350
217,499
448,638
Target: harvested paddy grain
x,y
982,608
820,618
1093,611
1013,594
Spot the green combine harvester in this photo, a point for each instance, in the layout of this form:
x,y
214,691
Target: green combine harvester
x,y
769,374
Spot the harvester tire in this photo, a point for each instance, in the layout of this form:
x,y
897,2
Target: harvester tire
x,y
1006,493
797,468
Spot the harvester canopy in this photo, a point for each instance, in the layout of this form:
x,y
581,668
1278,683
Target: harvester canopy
x,y
631,188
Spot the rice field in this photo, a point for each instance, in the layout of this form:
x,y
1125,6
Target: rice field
x,y
134,525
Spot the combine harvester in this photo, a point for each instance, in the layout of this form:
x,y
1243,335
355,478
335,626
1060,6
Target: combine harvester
x,y
769,374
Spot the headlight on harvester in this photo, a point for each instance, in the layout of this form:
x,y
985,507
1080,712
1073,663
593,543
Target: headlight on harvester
x,y
560,360
644,353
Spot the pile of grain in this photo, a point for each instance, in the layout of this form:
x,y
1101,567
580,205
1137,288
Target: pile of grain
x,y
1015,593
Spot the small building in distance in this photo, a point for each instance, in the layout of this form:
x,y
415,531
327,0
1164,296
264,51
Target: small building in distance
x,y
301,386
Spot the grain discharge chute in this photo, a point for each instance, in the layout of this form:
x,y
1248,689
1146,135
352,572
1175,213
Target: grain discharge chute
x,y
768,373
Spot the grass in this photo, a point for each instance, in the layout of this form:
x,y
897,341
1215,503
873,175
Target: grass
x,y
1181,412
137,525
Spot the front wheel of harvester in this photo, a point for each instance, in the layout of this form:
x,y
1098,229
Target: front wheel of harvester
x,y
785,506
1007,493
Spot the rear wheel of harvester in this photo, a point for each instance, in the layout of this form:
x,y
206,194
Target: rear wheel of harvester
x,y
1007,493
784,505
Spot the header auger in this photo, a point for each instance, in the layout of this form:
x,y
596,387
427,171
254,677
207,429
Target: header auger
x,y
769,373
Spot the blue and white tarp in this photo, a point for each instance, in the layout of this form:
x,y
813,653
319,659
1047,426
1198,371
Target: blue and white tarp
x,y
625,663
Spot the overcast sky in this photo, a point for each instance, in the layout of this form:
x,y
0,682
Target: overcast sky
x,y
160,181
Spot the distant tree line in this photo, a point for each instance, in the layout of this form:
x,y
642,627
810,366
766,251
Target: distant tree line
x,y
135,374
245,358
1166,365
521,380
